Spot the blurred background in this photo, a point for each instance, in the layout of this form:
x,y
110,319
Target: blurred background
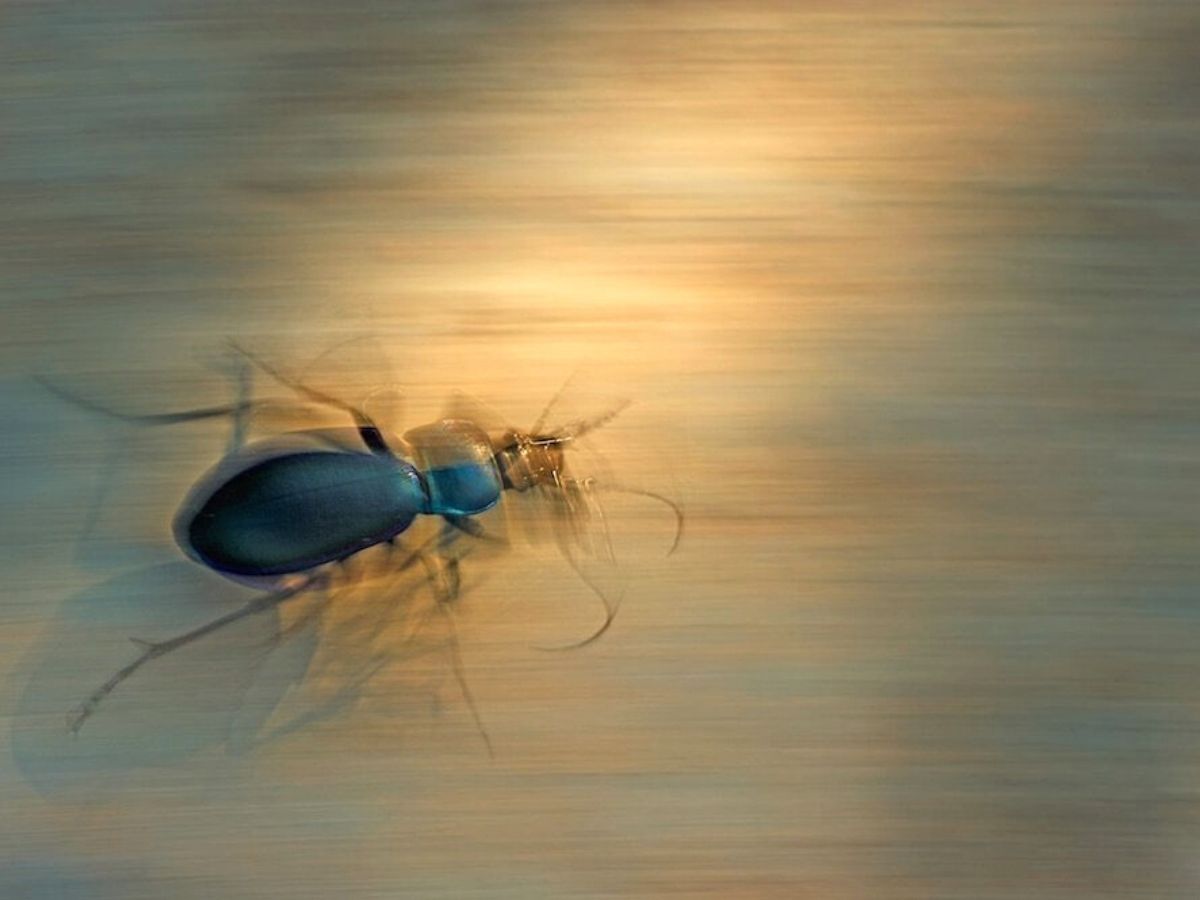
x,y
903,293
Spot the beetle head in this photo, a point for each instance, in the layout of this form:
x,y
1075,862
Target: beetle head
x,y
527,460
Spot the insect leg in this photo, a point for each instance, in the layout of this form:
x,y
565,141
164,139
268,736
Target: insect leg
x,y
541,419
578,500
675,507
367,429
411,558
577,429
472,527
154,649
443,576
242,407
241,413
461,676
443,572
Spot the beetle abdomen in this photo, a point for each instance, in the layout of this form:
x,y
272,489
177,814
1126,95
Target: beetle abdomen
x,y
293,512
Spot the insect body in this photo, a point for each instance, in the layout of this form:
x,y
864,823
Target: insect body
x,y
294,511
280,512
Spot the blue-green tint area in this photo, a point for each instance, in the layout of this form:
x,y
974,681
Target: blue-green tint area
x,y
293,512
463,490
455,456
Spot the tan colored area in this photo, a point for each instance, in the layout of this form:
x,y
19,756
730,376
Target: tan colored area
x,y
901,293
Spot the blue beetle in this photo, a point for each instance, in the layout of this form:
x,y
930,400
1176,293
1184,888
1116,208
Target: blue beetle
x,y
277,509
280,512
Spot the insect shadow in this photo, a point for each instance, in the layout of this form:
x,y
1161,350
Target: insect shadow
x,y
284,514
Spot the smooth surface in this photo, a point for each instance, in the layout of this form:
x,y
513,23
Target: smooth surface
x,y
904,296
295,512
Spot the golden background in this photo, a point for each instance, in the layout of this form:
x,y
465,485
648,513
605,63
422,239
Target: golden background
x,y
904,295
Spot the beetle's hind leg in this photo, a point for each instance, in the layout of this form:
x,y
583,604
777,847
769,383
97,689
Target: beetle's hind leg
x,y
154,649
241,410
243,407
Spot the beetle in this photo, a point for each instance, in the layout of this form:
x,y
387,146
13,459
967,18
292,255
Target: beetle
x,y
282,512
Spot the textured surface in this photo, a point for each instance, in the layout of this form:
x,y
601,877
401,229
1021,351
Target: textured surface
x,y
904,293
